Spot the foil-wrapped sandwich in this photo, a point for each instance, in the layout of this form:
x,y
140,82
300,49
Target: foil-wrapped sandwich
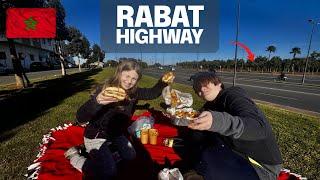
x,y
180,111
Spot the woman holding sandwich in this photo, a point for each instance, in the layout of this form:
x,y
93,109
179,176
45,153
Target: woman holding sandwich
x,y
108,112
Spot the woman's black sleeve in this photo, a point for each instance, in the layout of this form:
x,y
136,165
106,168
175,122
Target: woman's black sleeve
x,y
151,93
89,109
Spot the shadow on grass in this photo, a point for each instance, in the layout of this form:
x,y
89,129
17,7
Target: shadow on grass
x,y
21,106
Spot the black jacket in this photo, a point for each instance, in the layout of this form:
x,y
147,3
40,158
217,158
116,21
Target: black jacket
x,y
107,121
243,126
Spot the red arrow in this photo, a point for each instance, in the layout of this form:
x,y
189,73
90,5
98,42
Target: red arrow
x,y
250,54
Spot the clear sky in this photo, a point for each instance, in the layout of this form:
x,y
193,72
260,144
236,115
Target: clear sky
x,y
282,23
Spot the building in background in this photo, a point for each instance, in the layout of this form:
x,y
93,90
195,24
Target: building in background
x,y
29,51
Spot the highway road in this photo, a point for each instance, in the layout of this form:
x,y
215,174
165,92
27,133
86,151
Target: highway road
x,y
8,79
263,87
259,86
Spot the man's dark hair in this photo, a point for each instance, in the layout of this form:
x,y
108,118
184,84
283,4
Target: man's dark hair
x,y
204,78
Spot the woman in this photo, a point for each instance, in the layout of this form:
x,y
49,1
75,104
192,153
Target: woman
x,y
108,119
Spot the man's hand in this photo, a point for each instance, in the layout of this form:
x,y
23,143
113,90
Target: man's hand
x,y
203,122
104,100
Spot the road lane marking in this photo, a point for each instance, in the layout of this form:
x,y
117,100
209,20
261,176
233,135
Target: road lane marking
x,y
313,86
269,88
261,87
283,97
308,93
270,81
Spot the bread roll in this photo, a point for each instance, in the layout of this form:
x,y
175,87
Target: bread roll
x,y
167,77
115,92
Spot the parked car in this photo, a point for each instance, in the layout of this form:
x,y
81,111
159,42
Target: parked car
x,y
39,66
3,69
72,65
56,66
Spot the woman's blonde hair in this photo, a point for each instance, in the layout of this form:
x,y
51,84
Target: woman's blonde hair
x,y
125,65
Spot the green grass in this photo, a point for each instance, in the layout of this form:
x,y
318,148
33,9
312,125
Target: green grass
x,y
298,135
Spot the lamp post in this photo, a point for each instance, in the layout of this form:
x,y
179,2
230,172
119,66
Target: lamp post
x,y
236,51
314,23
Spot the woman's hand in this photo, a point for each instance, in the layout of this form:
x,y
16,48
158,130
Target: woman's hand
x,y
203,122
104,100
168,77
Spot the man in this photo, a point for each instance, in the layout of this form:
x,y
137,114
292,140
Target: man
x,y
239,143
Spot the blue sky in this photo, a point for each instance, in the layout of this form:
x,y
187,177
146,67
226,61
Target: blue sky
x,y
282,23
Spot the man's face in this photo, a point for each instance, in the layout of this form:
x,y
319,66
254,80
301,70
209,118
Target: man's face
x,y
128,79
210,91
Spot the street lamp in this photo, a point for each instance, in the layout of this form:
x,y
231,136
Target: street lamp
x,y
314,23
236,51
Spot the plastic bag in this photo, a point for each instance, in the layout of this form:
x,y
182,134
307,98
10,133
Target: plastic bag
x,y
143,122
170,174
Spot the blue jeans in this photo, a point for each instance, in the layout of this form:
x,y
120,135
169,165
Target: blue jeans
x,y
219,162
101,163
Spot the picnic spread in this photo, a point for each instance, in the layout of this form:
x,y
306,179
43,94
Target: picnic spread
x,y
154,134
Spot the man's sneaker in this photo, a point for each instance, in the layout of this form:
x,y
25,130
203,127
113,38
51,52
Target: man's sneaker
x,y
71,152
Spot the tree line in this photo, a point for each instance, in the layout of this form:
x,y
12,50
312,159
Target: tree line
x,y
77,44
262,63
114,63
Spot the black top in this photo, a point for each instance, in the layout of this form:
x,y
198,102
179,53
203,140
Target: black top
x,y
240,123
107,121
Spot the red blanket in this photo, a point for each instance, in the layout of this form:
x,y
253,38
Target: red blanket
x,y
51,163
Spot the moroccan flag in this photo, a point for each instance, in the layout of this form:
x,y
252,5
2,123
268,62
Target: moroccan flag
x,y
31,23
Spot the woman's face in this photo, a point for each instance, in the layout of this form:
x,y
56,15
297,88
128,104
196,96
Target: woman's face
x,y
210,91
128,79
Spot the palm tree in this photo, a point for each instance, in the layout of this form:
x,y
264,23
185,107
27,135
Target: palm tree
x,y
315,55
315,61
271,49
295,51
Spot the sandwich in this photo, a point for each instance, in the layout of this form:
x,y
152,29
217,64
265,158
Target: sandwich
x,y
167,77
175,101
115,92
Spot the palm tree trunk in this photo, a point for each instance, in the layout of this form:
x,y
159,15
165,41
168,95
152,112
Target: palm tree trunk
x,y
312,70
16,65
292,68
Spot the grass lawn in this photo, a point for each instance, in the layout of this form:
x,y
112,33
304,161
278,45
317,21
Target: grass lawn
x,y
28,114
